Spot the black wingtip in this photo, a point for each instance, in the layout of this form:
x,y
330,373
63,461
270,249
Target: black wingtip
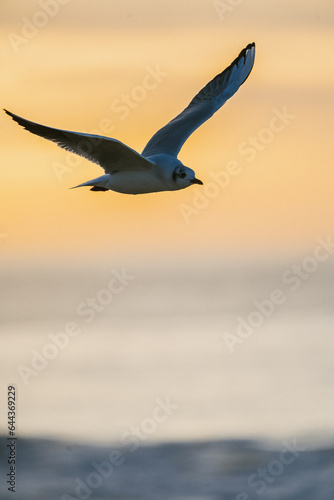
x,y
9,113
246,49
26,124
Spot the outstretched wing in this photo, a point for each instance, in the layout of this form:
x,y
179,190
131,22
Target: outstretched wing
x,y
110,154
172,136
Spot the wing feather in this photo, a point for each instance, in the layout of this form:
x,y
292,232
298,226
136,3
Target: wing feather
x,y
170,138
110,154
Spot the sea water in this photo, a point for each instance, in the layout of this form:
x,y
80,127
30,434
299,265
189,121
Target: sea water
x,y
184,380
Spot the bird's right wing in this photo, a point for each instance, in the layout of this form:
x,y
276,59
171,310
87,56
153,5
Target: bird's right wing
x,y
110,154
171,137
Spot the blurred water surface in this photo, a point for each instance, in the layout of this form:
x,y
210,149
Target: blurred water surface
x,y
149,365
228,470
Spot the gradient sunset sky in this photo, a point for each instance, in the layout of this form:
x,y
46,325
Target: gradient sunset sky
x,y
70,64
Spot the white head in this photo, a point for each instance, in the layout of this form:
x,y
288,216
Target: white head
x,y
184,177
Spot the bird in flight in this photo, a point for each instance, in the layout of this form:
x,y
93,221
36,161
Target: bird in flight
x,y
157,168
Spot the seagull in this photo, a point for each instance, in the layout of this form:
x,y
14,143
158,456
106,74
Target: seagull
x,y
157,168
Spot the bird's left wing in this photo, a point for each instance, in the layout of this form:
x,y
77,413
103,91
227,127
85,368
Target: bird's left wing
x,y
172,136
110,154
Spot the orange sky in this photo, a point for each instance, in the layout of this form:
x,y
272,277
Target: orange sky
x,y
72,72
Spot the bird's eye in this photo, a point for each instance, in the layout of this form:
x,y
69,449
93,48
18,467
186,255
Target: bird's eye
x,y
182,174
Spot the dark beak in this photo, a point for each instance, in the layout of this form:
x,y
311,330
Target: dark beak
x,y
196,181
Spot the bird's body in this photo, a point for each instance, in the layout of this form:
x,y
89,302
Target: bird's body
x,y
158,176
157,168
